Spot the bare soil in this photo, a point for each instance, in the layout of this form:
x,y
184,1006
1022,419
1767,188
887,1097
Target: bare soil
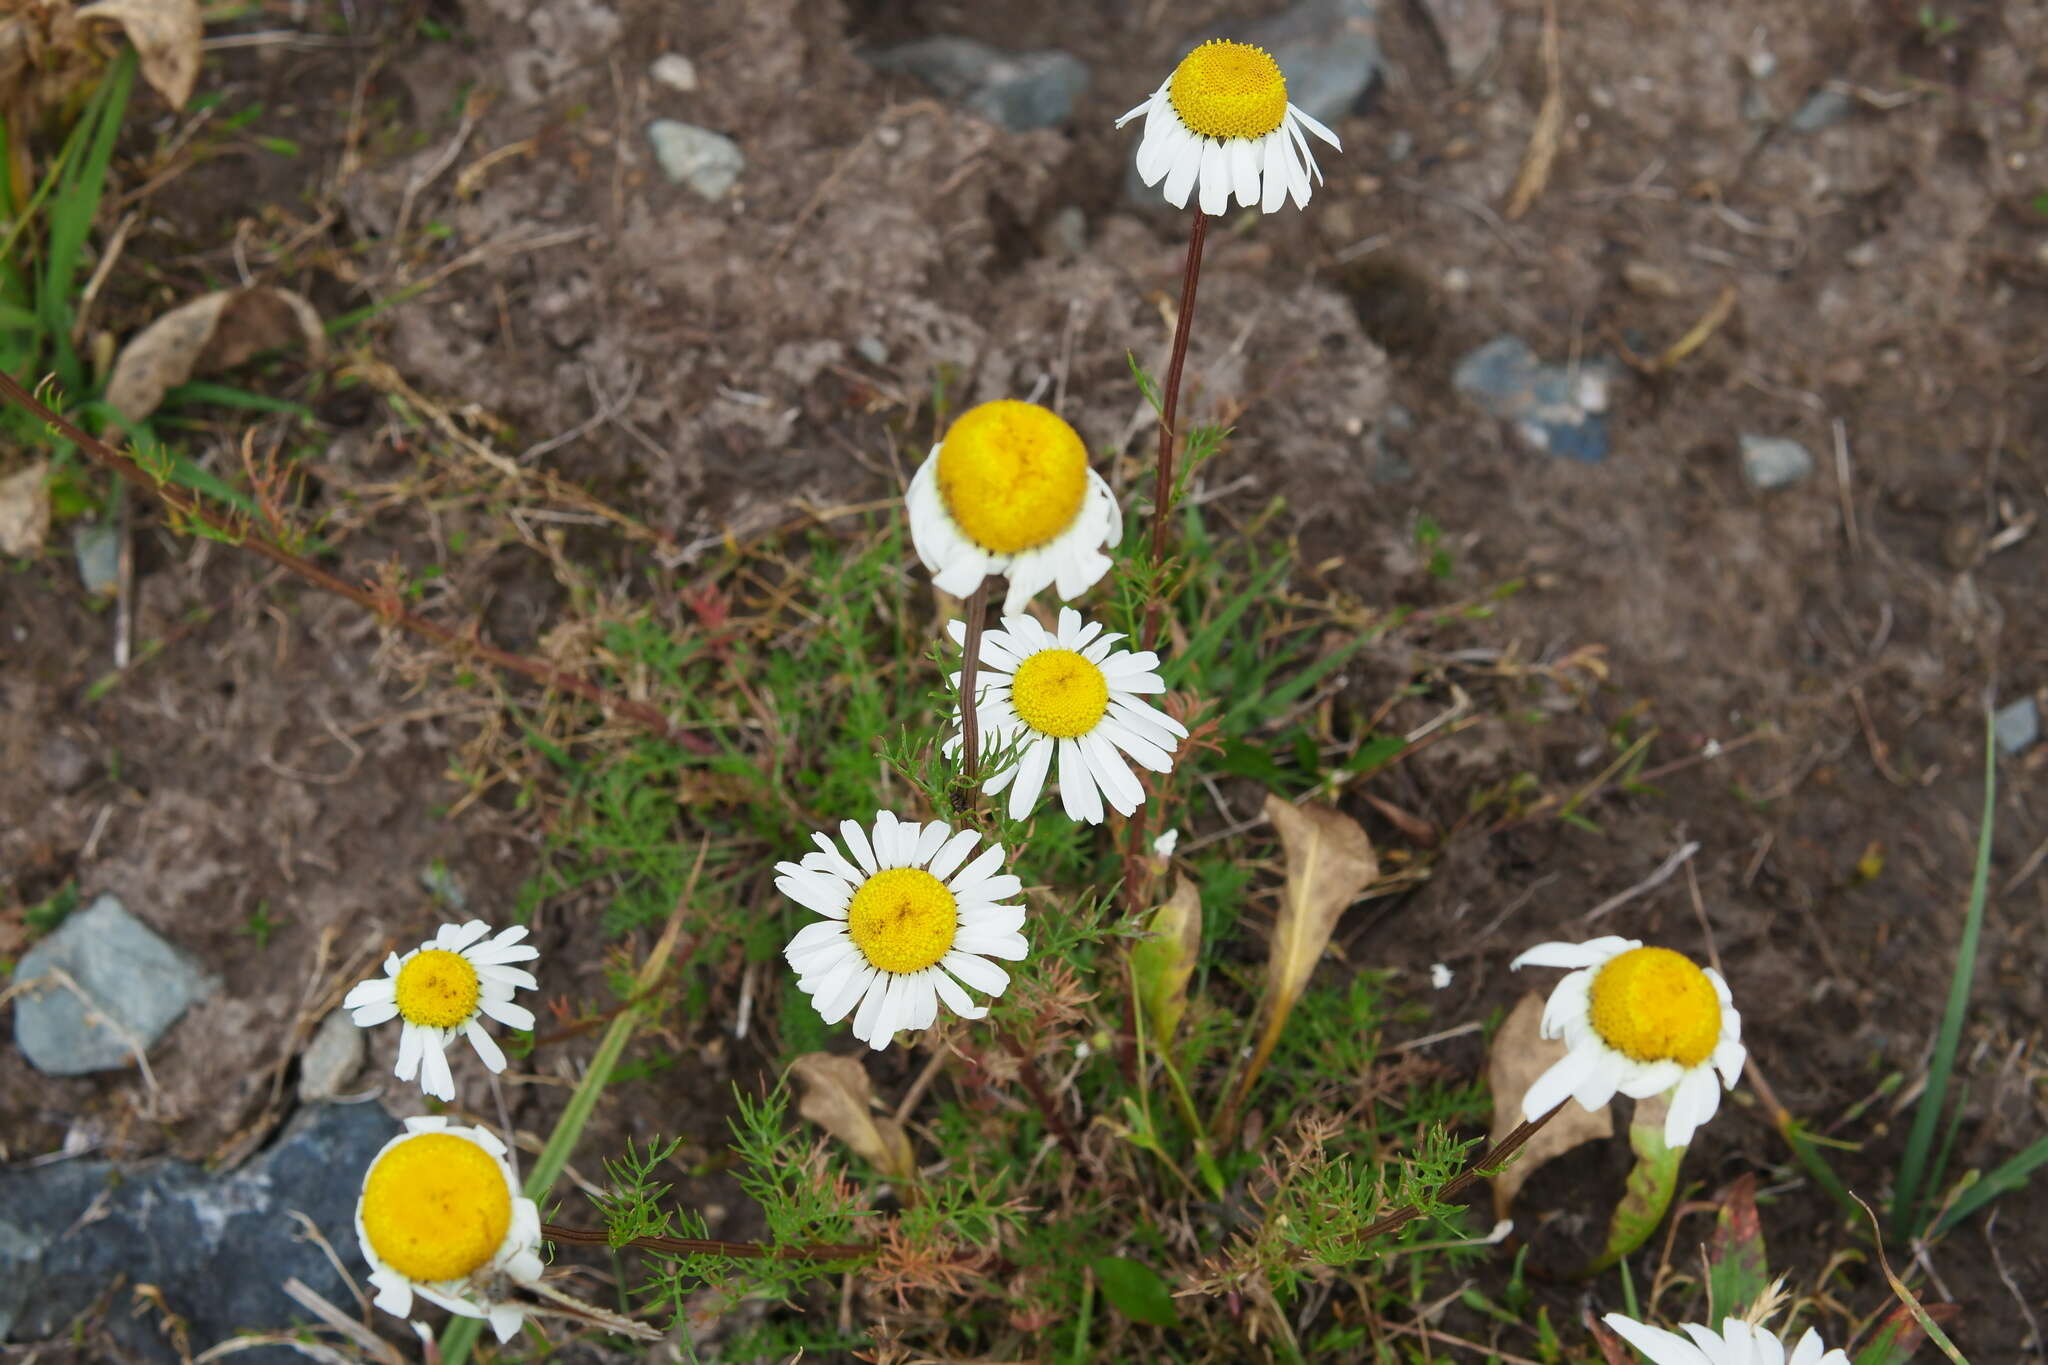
x,y
1814,660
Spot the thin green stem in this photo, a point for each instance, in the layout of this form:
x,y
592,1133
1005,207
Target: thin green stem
x,y
1913,1165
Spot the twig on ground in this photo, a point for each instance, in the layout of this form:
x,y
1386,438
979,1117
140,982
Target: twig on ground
x,y
1842,487
1665,871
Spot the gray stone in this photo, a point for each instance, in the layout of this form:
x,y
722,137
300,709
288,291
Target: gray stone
x,y
1468,30
137,983
96,545
218,1246
1823,108
1774,462
872,349
331,1059
1558,409
1019,90
64,764
1329,51
2016,726
675,71
705,161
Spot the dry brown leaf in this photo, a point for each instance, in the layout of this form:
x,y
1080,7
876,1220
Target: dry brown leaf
x,y
1329,862
1520,1054
838,1098
213,332
25,511
166,35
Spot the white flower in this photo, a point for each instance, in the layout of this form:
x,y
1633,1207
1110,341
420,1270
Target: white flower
x,y
1222,120
903,918
1072,696
1009,491
439,989
439,1217
1738,1343
1641,1021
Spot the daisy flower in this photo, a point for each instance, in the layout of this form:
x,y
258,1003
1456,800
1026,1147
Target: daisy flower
x,y
1641,1021
1069,693
440,1217
903,918
1009,491
439,989
1737,1343
1222,119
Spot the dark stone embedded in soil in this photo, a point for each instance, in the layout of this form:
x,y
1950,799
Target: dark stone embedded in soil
x,y
218,1246
134,986
1561,409
1019,90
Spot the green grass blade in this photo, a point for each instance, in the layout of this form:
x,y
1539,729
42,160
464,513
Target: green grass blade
x,y
73,210
2008,1176
1913,1165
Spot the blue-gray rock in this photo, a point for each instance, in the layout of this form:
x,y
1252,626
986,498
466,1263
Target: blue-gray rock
x,y
96,546
705,161
219,1246
1774,462
1019,90
1558,409
1468,31
2016,726
1823,108
135,981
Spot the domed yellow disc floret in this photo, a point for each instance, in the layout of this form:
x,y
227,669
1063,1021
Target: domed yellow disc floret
x,y
903,919
1654,1005
1013,474
436,1207
1229,90
1057,692
436,988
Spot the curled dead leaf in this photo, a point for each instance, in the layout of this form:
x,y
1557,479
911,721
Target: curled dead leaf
x,y
1520,1054
1330,861
838,1098
1162,962
166,35
216,331
25,511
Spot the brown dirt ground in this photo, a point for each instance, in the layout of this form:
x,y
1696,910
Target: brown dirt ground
x,y
1888,274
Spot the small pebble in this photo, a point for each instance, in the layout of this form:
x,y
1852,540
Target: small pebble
x,y
707,162
675,71
1823,108
1651,280
331,1059
2016,726
1774,462
64,764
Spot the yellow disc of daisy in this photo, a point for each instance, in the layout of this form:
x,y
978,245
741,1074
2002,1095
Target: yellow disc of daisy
x,y
1654,1005
1013,474
1229,90
903,919
436,1207
1057,692
437,989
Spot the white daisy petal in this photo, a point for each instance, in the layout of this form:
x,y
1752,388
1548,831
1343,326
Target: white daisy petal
x,y
486,1046
1078,794
1215,178
508,1014
1589,954
1244,171
952,853
846,992
1662,1347
957,1000
1031,769
1556,1085
375,1013
412,1042
980,973
929,840
435,1077
857,843
1111,773
1180,176
454,938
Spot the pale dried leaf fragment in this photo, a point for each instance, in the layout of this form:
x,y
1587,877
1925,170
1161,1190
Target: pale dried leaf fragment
x,y
1521,1054
838,1098
1162,962
216,331
1330,862
25,511
166,35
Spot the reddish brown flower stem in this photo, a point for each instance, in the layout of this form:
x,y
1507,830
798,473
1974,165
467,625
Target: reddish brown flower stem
x,y
239,529
1027,1072
1169,427
970,664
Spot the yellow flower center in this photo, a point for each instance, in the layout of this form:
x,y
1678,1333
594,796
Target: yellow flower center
x,y
436,1206
1013,474
437,988
1654,1005
903,919
1229,90
1057,692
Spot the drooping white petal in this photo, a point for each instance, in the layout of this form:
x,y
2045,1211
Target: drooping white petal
x,y
1111,773
1662,1347
857,843
1591,953
1244,171
412,1040
507,1013
435,1077
487,1048
952,853
1556,1085
978,972
1078,795
1186,165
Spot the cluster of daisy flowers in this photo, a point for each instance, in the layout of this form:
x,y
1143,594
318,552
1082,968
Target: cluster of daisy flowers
x,y
440,1216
